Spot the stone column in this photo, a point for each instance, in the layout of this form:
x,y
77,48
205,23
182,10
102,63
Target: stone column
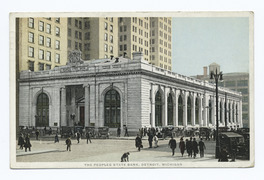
x,y
227,112
177,92
152,106
165,121
185,109
240,114
63,106
223,112
200,110
231,113
213,101
193,110
205,110
86,105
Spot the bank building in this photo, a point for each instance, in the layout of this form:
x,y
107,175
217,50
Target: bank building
x,y
118,92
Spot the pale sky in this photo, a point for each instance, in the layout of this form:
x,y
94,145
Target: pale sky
x,y
198,42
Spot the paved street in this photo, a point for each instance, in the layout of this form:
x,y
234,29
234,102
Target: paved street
x,y
107,150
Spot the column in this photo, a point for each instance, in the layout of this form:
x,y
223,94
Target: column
x,y
92,97
63,106
152,106
177,93
205,110
185,108
193,109
200,99
86,106
165,120
240,114
223,112
213,101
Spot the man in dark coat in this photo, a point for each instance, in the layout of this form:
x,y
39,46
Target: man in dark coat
x,y
189,146
138,142
68,143
37,134
88,138
21,141
172,144
150,139
182,146
126,132
78,136
27,144
56,138
194,147
118,132
223,155
50,131
201,147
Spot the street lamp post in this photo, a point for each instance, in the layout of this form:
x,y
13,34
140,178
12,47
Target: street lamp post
x,y
217,76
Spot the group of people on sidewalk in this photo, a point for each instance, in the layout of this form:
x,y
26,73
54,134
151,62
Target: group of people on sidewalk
x,y
24,142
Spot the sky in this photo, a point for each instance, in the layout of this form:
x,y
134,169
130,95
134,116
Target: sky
x,y
200,41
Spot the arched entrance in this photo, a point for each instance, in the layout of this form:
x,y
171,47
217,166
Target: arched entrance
x,y
189,111
196,111
42,117
180,111
158,109
170,110
112,109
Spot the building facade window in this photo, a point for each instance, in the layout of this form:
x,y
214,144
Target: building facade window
x,y
87,24
41,67
80,24
158,109
80,46
57,58
111,28
69,21
196,111
189,111
105,26
112,107
69,32
80,35
57,44
121,48
180,111
106,48
106,37
48,66
76,46
125,47
31,37
31,22
48,55
111,49
31,65
31,52
69,43
48,42
57,31
41,40
111,39
87,36
41,26
42,118
57,20
48,28
210,112
170,110
41,54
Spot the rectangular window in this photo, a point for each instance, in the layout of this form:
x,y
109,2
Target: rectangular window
x,y
80,46
80,35
106,37
87,56
243,91
153,57
87,25
31,22
153,33
87,36
48,42
41,40
111,39
242,83
69,21
153,49
111,28
41,54
121,29
76,46
76,23
41,67
48,67
48,28
57,58
57,20
105,26
48,56
41,26
125,37
69,32
230,83
125,28
57,31
87,46
57,44
106,48
31,37
31,52
111,49
120,39
125,47
76,34
121,48
31,65
80,24
152,41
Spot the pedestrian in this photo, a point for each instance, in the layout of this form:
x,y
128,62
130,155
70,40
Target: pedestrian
x,y
156,140
50,131
37,134
88,138
191,146
201,147
68,143
78,135
207,135
223,155
45,129
138,142
172,145
141,131
56,138
27,144
194,147
182,146
150,139
21,141
145,131
214,133
126,132
118,132
188,147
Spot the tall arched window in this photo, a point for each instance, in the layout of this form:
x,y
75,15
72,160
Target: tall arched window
x,y
210,112
42,118
196,111
158,109
189,111
170,110
112,108
180,111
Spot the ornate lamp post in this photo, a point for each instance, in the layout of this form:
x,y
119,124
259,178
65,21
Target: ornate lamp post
x,y
217,76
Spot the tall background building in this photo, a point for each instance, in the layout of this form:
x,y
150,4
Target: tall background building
x,y
237,81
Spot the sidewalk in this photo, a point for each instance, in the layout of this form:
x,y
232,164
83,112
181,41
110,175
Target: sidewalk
x,y
23,153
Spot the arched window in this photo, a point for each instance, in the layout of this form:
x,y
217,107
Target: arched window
x,y
112,109
42,117
158,109
180,111
210,112
170,110
233,110
189,111
196,111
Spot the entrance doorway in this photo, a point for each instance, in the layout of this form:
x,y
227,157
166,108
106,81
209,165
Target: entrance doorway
x,y
81,116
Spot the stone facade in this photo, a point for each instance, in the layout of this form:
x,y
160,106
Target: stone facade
x,y
78,93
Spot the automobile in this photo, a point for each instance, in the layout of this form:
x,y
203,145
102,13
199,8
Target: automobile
x,y
167,131
91,130
190,132
203,131
66,131
103,132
